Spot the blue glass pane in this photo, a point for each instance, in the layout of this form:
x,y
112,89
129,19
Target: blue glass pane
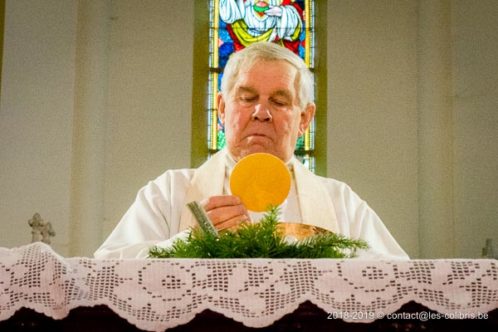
x,y
225,50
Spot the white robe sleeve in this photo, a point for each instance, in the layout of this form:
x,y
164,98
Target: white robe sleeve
x,y
151,220
359,221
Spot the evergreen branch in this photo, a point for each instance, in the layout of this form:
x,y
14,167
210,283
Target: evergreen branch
x,y
260,240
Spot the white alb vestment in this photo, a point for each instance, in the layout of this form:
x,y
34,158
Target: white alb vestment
x,y
159,211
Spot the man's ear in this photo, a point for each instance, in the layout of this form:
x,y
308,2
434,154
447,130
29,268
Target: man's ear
x,y
306,117
221,107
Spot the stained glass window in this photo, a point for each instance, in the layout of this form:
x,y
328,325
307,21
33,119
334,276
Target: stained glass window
x,y
235,24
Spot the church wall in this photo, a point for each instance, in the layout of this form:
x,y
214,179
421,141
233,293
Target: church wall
x,y
475,131
150,97
372,108
36,118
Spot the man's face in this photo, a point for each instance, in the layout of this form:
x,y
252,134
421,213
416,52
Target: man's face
x,y
262,112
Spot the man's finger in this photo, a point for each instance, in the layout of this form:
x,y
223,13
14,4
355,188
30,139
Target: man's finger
x,y
214,202
235,221
222,214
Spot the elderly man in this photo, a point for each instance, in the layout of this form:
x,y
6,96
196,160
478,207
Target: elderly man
x,y
266,103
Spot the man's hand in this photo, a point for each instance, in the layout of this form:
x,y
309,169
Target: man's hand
x,y
225,211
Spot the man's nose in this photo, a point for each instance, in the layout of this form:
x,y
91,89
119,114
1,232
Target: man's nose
x,y
261,113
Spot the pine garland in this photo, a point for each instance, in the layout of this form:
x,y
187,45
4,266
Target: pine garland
x,y
259,240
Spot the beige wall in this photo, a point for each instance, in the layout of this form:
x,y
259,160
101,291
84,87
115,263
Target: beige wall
x,y
36,118
95,102
150,96
475,118
372,120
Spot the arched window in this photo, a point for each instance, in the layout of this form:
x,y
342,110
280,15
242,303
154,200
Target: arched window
x,y
209,61
234,24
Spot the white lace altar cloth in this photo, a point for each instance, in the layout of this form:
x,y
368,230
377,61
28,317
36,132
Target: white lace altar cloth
x,y
157,294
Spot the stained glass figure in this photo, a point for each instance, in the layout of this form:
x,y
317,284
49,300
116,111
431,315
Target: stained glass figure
x,y
235,24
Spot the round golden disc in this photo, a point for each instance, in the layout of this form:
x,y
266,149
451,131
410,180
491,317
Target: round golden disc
x,y
260,180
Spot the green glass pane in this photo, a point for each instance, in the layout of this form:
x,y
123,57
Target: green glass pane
x,y
299,149
220,140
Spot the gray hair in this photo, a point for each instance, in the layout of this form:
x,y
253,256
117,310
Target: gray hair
x,y
270,52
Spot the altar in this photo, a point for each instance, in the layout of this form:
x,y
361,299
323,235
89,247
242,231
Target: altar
x,y
40,291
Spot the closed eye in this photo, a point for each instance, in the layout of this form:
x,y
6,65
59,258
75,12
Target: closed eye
x,y
247,100
279,102
246,95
